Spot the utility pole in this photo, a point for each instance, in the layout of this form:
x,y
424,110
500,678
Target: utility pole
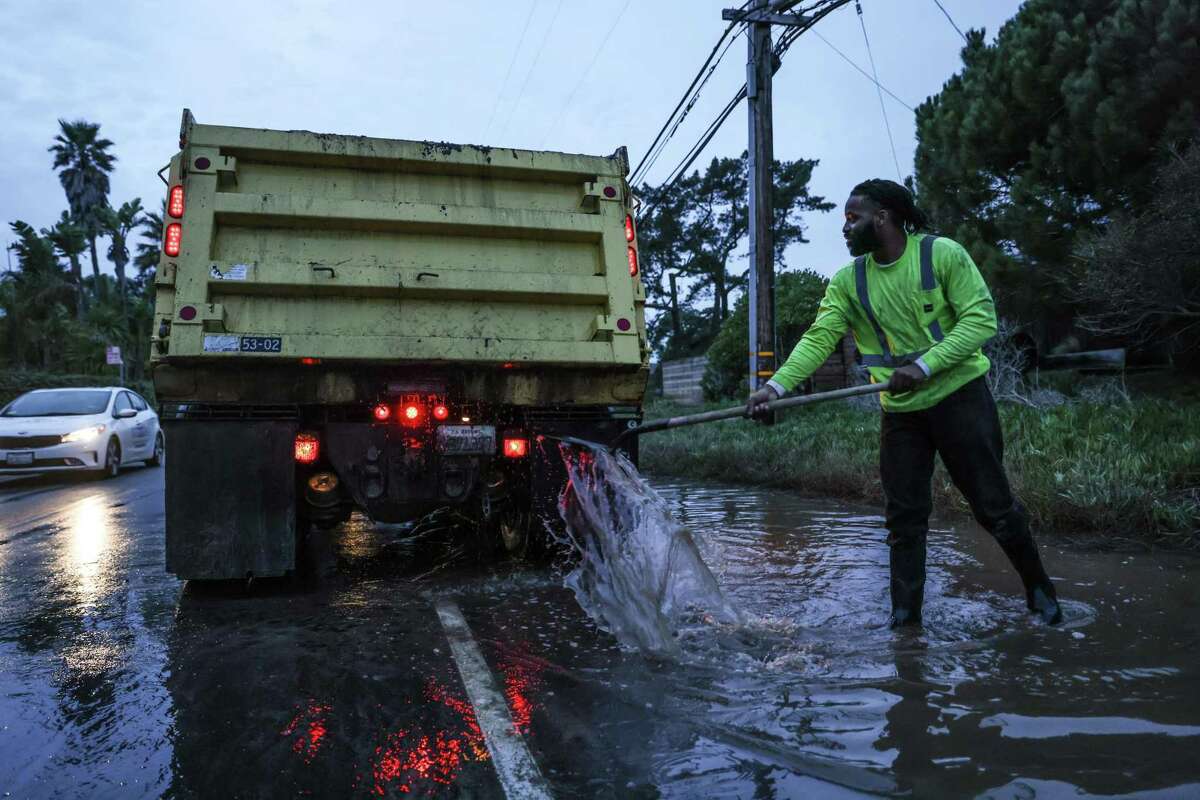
x,y
674,304
760,67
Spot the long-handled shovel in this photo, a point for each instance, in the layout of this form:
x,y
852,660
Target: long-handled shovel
x,y
740,411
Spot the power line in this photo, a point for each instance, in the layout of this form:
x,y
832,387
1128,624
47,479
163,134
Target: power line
x,y
866,74
689,98
651,157
508,72
532,66
951,19
887,125
595,56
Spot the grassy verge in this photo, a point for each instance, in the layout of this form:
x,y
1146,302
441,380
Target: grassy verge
x,y
1129,470
14,383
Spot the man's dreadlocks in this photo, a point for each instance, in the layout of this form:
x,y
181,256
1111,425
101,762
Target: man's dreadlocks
x,y
896,199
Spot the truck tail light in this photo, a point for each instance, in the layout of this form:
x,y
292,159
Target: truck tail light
x,y
440,412
633,267
411,413
175,203
515,447
173,239
628,226
307,448
382,412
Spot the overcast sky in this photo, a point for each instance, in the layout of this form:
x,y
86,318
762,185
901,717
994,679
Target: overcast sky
x,y
453,71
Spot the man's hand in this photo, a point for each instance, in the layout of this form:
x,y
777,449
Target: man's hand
x,y
756,402
906,379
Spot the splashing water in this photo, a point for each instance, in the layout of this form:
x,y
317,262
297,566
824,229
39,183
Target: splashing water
x,y
639,574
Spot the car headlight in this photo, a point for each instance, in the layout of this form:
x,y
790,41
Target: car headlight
x,y
84,434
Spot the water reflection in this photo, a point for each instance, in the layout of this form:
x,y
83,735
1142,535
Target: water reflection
x,y
89,540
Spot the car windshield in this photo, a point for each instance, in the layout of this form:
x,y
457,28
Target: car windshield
x,y
58,404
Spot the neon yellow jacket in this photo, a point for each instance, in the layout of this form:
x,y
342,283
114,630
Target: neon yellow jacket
x,y
937,314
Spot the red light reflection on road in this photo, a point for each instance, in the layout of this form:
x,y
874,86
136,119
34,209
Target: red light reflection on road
x,y
520,681
310,724
408,757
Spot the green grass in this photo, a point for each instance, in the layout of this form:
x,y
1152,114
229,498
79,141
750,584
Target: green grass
x,y
1128,471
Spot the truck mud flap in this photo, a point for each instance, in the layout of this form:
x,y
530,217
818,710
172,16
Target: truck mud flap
x,y
230,498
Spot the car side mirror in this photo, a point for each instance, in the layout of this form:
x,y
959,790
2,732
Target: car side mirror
x,y
124,413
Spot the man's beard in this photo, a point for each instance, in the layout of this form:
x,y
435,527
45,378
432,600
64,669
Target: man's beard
x,y
864,240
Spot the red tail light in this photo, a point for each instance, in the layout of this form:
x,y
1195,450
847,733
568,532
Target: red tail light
x,y
440,412
307,448
175,203
628,227
516,448
174,239
633,267
382,411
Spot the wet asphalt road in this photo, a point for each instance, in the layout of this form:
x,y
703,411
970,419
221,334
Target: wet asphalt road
x,y
116,680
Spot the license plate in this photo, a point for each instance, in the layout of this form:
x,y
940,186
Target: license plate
x,y
466,440
261,344
20,459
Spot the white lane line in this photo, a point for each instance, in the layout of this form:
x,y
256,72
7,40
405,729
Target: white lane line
x,y
518,772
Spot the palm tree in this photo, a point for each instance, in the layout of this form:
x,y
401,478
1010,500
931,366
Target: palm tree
x,y
70,240
149,250
118,225
39,296
83,163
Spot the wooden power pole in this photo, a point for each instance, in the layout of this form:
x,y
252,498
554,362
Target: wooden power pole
x,y
760,67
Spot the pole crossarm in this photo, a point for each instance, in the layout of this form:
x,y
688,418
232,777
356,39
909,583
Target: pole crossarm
x,y
738,15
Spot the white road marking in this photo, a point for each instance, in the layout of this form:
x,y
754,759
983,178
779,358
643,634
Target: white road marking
x,y
518,772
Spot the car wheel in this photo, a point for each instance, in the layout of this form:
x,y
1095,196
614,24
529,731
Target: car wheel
x,y
112,459
160,451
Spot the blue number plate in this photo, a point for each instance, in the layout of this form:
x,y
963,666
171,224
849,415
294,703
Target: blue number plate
x,y
261,344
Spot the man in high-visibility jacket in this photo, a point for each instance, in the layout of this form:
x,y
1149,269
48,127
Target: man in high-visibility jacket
x,y
920,313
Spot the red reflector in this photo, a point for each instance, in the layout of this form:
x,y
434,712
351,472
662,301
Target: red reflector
x,y
440,412
516,448
308,361
307,448
382,411
175,202
632,262
173,239
623,324
629,227
187,313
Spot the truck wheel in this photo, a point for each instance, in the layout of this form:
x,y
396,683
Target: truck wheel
x,y
513,528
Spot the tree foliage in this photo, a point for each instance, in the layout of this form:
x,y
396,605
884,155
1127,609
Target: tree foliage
x,y
84,163
695,229
1139,278
1054,129
797,296
53,318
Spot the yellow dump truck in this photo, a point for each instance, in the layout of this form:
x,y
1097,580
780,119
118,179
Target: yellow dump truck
x,y
396,326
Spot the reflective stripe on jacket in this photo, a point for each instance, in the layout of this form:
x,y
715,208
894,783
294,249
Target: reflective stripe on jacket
x,y
931,304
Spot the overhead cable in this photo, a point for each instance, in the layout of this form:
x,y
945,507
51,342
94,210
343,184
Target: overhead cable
x,y
532,66
950,19
887,125
595,56
688,98
866,74
651,157
508,72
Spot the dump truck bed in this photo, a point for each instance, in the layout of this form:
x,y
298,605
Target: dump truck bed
x,y
299,247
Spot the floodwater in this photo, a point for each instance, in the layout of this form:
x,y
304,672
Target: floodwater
x,y
118,681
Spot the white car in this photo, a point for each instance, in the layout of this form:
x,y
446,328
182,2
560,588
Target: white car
x,y
78,430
